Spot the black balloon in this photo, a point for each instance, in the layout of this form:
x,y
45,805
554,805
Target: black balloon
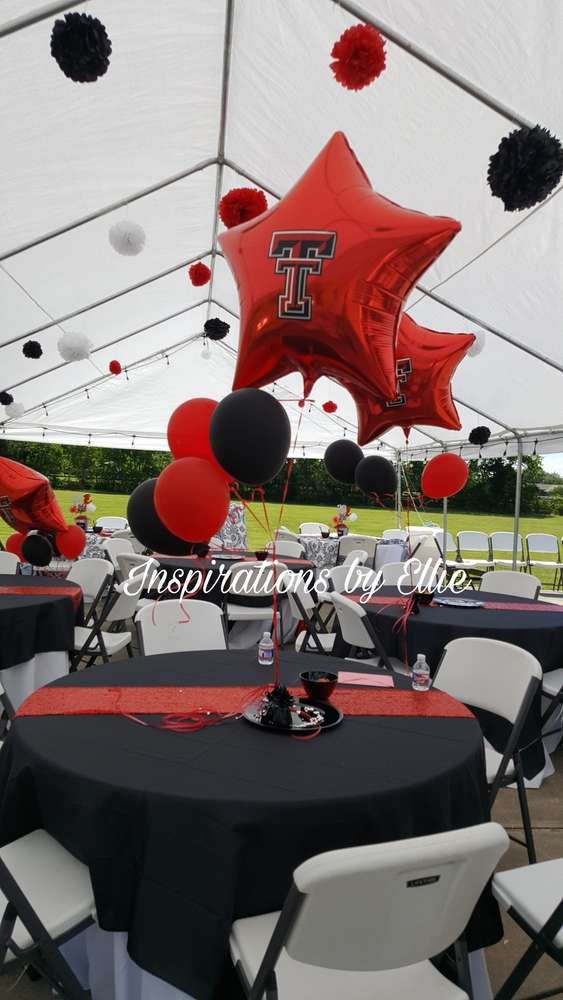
x,y
37,550
342,458
375,474
147,526
250,435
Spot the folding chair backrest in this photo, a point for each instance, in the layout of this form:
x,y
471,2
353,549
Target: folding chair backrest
x,y
508,581
488,674
254,579
116,546
352,620
439,539
356,555
180,626
287,547
91,575
112,523
128,561
386,906
312,528
350,542
123,608
407,572
9,562
300,595
473,541
286,534
399,533
537,541
503,541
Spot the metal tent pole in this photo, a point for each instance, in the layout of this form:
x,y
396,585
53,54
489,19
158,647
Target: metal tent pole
x,y
399,487
517,499
445,531
35,16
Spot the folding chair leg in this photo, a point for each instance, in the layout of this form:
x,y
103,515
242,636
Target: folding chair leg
x,y
463,970
520,972
524,809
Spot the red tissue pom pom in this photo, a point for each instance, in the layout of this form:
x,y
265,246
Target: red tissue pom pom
x,y
329,406
199,274
359,56
241,205
115,368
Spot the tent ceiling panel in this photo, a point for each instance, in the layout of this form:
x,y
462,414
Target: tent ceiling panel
x,y
178,224
68,148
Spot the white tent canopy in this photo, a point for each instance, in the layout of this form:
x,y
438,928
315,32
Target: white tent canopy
x,y
200,98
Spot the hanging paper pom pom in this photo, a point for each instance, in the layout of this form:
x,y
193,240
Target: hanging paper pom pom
x,y
115,368
359,56
199,274
241,205
526,167
32,349
330,406
479,435
477,345
81,46
15,410
127,238
216,329
74,346
6,398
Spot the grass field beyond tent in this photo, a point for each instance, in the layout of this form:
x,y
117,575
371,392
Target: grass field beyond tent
x,y
370,522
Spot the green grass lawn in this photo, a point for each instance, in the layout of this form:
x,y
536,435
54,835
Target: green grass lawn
x,y
370,522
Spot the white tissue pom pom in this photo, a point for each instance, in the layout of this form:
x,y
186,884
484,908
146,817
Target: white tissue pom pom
x,y
90,507
477,345
15,410
74,347
127,238
352,517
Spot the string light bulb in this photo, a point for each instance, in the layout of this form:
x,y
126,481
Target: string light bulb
x,y
206,350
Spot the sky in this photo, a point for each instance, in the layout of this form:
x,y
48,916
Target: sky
x,y
553,463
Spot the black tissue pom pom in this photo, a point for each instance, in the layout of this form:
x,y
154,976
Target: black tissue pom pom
x,y
81,47
32,349
215,329
525,168
479,435
6,398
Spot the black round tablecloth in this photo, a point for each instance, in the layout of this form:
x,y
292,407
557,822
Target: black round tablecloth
x,y
34,623
183,833
539,631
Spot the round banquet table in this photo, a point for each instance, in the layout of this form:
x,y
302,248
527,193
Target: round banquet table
x,y
37,618
539,631
185,832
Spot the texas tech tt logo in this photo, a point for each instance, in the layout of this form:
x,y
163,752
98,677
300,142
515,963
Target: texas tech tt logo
x,y
403,369
299,254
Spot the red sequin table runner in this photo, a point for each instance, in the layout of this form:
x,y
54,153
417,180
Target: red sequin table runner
x,y
74,592
61,700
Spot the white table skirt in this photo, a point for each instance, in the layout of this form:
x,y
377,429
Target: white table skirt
x,y
23,679
100,961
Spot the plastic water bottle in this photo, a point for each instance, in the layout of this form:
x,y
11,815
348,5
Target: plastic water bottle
x,y
266,650
420,676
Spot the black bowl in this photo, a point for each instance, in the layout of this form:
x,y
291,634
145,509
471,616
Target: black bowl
x,y
319,684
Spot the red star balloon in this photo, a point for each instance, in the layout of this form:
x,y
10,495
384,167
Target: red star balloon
x,y
322,277
426,362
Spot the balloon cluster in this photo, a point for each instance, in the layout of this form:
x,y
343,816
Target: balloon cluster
x,y
372,474
244,438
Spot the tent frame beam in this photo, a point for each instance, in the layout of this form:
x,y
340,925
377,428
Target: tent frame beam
x,y
227,52
36,16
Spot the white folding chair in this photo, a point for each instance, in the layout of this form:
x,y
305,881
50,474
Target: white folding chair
x,y
356,556
544,544
250,589
358,631
92,641
112,523
286,535
94,577
344,579
532,896
363,923
315,638
509,581
474,541
9,563
400,534
46,899
313,528
348,543
286,547
408,572
180,627
114,547
503,541
501,678
451,547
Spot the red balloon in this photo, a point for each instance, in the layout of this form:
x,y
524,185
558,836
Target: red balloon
x,y
192,499
443,476
71,542
26,499
14,544
426,363
188,431
323,275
